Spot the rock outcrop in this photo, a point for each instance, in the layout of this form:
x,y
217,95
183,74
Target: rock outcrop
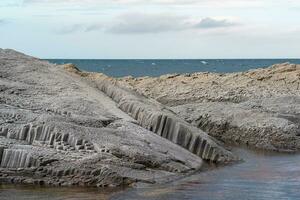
x,y
259,108
161,120
62,126
274,81
57,128
271,124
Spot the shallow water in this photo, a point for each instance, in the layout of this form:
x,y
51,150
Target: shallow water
x,y
157,67
260,176
12,192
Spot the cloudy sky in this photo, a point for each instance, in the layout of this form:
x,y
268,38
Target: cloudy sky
x,y
152,28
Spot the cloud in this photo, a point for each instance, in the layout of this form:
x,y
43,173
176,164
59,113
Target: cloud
x,y
70,29
208,23
58,1
178,2
93,27
146,23
138,23
114,1
214,3
3,21
75,28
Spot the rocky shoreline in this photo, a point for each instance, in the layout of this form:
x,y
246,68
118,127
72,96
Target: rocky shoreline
x,y
259,108
60,126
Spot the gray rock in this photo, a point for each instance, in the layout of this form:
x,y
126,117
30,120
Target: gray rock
x,y
269,123
274,81
259,107
162,121
58,128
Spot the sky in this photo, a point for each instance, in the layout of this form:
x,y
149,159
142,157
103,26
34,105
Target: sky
x,y
149,29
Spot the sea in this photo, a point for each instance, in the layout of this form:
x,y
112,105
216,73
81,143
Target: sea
x,y
261,175
158,67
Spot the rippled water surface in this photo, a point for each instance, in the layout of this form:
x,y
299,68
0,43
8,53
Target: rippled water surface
x,y
260,176
157,67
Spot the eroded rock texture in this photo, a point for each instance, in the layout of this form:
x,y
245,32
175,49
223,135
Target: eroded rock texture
x,y
274,81
58,128
162,121
272,124
259,108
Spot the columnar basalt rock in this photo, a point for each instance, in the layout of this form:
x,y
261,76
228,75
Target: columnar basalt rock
x,y
47,135
19,161
14,158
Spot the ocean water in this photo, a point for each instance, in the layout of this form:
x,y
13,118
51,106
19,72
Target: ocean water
x,y
137,68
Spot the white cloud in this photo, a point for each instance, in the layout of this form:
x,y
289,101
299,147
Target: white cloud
x,y
208,23
94,27
219,3
57,1
70,29
145,23
136,23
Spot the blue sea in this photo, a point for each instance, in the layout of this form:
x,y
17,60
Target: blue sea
x,y
157,67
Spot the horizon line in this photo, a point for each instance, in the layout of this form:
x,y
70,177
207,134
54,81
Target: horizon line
x,y
170,58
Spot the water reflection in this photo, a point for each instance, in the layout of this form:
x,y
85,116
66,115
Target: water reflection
x,y
261,176
17,192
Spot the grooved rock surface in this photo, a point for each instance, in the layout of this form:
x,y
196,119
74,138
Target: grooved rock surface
x,y
259,108
158,118
272,123
162,121
57,128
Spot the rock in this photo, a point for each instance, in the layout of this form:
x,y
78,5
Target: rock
x,y
259,108
275,81
59,127
272,123
162,121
